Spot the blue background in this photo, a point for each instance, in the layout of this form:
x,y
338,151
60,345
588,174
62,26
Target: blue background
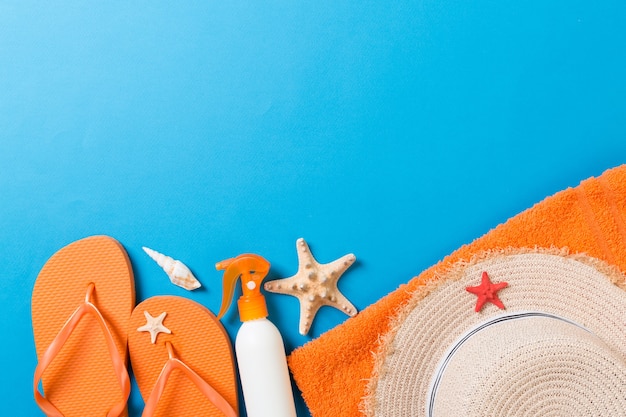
x,y
395,130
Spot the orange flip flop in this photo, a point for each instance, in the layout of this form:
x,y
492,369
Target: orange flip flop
x,y
81,305
182,359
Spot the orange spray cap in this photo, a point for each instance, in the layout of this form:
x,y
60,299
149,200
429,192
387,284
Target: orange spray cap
x,y
252,269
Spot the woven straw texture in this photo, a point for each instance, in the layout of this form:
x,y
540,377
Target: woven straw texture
x,y
532,366
579,289
81,380
199,340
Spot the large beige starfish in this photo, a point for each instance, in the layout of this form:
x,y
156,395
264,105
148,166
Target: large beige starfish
x,y
314,285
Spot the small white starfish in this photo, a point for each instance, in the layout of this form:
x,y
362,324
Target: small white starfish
x,y
154,326
314,285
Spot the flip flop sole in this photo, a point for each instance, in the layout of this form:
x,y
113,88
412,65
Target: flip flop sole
x,y
81,380
199,340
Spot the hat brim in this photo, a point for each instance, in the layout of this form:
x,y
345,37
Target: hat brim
x,y
579,289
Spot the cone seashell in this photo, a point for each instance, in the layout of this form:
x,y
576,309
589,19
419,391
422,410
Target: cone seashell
x,y
177,271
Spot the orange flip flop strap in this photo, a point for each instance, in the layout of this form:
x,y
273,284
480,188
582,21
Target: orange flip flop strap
x,y
205,388
56,345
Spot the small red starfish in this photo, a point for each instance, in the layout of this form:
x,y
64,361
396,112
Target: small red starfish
x,y
487,292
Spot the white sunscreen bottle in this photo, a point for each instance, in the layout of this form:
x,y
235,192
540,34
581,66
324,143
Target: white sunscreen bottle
x,y
259,346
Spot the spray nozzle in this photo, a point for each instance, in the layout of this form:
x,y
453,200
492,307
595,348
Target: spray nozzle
x,y
252,269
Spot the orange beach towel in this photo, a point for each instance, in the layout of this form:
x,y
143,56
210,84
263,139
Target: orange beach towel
x,y
333,371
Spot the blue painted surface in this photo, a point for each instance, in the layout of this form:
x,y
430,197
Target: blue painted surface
x,y
397,131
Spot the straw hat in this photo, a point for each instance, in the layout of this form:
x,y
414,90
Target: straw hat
x,y
512,333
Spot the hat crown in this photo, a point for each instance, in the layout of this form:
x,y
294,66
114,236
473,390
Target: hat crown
x,y
518,363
